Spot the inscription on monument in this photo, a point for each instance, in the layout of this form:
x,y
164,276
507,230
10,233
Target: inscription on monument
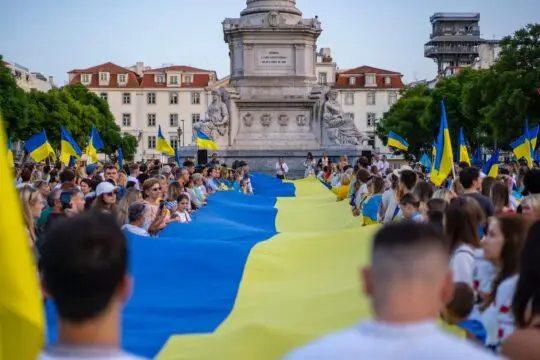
x,y
274,57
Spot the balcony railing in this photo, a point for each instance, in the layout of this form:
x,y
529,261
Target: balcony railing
x,y
457,49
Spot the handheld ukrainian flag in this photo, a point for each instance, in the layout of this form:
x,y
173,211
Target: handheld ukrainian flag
x,y
396,141
10,160
491,168
120,158
477,157
444,159
21,317
533,136
434,149
163,145
204,142
39,148
94,144
463,154
522,147
68,147
177,158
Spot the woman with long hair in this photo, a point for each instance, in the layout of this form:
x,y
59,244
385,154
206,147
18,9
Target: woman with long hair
x,y
530,207
522,344
155,215
423,191
503,246
463,220
105,197
309,165
131,196
370,207
32,205
360,190
435,209
500,197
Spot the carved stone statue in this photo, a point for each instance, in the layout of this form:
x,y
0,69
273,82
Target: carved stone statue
x,y
216,120
341,129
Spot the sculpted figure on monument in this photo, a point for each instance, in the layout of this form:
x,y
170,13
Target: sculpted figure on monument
x,y
216,120
341,129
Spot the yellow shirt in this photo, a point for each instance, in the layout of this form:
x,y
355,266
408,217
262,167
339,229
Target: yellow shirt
x,y
342,192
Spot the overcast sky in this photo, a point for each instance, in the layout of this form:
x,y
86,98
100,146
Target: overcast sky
x,y
55,36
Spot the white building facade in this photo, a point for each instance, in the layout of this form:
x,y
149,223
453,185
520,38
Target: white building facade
x,y
141,99
28,80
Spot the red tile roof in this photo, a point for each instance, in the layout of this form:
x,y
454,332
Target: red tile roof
x,y
200,77
342,78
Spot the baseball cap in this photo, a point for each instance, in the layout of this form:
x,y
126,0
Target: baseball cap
x,y
105,188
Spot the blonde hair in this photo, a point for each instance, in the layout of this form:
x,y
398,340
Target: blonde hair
x,y
174,191
131,196
533,201
443,194
28,200
122,179
345,179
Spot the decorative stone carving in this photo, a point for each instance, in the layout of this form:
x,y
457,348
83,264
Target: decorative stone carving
x,y
248,120
301,120
216,120
273,19
340,128
283,120
266,119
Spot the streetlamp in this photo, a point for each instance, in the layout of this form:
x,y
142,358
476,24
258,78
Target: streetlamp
x,y
180,133
183,132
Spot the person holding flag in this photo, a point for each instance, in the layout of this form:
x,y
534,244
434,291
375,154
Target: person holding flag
x,y
462,154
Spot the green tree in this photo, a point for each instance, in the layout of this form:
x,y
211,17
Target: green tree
x,y
13,103
405,118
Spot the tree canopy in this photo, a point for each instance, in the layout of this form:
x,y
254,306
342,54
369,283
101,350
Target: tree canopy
x,y
491,105
73,107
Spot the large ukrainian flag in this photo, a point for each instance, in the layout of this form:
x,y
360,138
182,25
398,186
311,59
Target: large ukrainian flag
x,y
163,145
204,142
68,147
21,311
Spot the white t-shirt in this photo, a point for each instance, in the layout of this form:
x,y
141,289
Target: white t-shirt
x,y
484,272
374,340
57,352
281,169
462,264
136,181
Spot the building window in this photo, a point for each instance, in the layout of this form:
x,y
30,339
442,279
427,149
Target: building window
x,y
173,98
151,120
174,141
387,80
188,79
322,78
126,119
370,119
173,120
392,97
371,98
352,80
122,78
174,80
103,76
85,78
152,142
160,79
104,96
370,80
349,98
195,98
126,98
195,118
151,98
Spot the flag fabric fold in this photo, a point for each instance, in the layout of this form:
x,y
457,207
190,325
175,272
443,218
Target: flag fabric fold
x,y
462,154
94,144
120,158
533,136
443,163
396,141
491,167
68,147
522,147
163,145
204,142
477,157
21,318
39,148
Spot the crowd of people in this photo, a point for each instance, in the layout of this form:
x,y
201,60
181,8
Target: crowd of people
x,y
144,197
486,224
464,253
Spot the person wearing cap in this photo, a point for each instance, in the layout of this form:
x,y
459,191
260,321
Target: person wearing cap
x,y
135,223
105,197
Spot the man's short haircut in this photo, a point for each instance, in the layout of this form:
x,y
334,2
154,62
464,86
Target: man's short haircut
x,y
134,167
463,300
409,199
67,176
136,211
53,197
109,167
467,176
464,165
399,248
84,259
531,181
408,178
188,164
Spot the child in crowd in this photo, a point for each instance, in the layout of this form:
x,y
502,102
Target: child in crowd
x,y
410,208
182,213
458,310
343,190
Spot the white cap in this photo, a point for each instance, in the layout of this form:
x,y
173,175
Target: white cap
x,y
166,169
105,188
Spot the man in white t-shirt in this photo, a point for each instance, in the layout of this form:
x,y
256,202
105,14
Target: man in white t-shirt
x,y
408,283
84,263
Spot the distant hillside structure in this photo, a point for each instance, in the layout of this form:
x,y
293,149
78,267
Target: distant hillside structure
x,y
456,42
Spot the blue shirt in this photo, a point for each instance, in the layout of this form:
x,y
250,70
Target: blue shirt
x,y
476,328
